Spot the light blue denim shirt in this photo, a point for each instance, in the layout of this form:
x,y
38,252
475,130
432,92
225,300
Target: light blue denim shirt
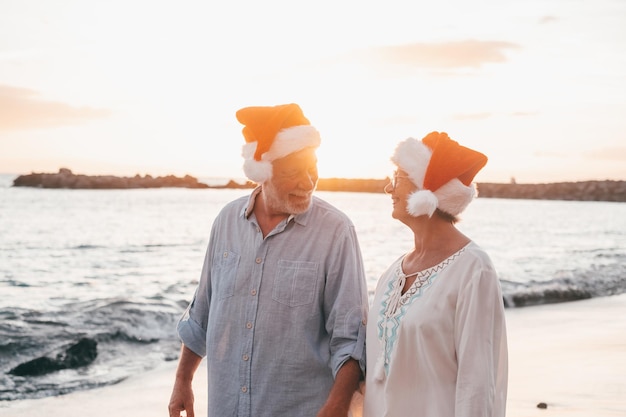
x,y
277,317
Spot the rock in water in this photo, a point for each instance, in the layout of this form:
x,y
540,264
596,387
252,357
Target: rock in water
x,y
79,354
36,367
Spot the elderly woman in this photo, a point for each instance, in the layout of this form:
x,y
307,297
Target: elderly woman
x,y
436,335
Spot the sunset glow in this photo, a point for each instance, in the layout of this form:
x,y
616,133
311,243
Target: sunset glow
x,y
151,87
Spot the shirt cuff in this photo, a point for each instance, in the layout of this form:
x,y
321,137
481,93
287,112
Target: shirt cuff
x,y
192,335
354,350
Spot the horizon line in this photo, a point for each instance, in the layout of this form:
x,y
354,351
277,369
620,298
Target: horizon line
x,y
244,180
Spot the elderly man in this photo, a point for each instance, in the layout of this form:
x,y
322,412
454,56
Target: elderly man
x,y
280,308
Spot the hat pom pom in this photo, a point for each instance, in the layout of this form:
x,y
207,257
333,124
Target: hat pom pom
x,y
257,171
422,202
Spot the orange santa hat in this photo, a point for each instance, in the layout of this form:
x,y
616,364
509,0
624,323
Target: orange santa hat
x,y
273,132
443,172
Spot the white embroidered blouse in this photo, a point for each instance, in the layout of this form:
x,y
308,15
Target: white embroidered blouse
x,y
439,349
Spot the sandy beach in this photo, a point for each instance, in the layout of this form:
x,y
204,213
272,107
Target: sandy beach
x,y
570,356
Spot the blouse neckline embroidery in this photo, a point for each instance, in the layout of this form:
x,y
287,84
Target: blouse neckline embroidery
x,y
395,304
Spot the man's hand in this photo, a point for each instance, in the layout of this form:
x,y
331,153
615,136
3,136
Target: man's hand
x,y
182,393
181,400
340,397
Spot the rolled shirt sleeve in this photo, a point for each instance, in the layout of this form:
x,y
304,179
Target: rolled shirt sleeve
x,y
192,326
346,302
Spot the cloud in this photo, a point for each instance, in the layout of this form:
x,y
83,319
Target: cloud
x,y
486,115
603,154
524,113
551,154
443,55
607,154
547,19
399,119
20,108
472,116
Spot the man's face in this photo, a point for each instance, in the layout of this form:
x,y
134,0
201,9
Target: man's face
x,y
294,178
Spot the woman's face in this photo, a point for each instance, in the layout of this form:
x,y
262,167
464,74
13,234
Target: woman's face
x,y
399,188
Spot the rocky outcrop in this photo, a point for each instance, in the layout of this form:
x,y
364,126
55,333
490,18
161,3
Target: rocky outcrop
x,y
579,191
66,179
235,184
357,185
82,353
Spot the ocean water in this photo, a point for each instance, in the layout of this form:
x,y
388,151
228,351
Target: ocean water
x,y
118,267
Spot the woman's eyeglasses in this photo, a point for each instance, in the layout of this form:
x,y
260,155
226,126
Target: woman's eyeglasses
x,y
394,180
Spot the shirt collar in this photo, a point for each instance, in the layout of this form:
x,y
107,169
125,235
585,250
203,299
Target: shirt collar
x,y
247,210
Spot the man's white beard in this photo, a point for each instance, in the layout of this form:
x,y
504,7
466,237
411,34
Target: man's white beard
x,y
278,205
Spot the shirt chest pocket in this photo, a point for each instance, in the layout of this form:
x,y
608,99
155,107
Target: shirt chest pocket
x,y
295,283
224,273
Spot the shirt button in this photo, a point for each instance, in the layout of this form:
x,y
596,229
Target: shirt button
x,y
225,254
253,292
245,357
244,389
258,260
249,325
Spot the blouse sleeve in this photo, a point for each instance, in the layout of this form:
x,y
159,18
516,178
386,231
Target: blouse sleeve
x,y
481,346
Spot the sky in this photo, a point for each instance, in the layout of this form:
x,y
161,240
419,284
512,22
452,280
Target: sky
x,y
125,87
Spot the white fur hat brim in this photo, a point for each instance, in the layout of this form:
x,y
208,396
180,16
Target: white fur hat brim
x,y
454,196
287,141
413,157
